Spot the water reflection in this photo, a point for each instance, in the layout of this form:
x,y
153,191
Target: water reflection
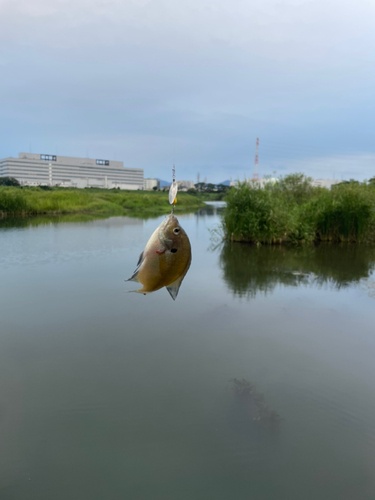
x,y
254,404
46,220
248,269
211,209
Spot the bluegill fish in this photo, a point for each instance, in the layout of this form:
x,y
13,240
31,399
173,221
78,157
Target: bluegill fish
x,y
165,260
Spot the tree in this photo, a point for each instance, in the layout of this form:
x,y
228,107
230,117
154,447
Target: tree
x,y
201,186
155,188
222,188
210,188
9,181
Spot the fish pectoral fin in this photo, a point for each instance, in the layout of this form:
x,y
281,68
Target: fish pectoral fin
x,y
174,287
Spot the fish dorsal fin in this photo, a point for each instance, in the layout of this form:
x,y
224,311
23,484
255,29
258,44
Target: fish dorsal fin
x,y
134,277
174,287
140,260
139,263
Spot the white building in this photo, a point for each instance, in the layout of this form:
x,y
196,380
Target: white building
x,y
326,183
185,185
149,184
52,170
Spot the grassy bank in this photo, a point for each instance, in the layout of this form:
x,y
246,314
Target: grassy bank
x,y
33,201
294,211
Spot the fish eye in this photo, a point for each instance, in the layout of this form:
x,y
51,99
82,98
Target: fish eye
x,y
173,250
176,230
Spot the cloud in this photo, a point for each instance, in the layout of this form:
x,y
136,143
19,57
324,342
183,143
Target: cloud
x,y
268,27
360,167
136,77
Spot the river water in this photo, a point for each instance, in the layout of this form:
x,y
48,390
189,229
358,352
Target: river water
x,y
111,395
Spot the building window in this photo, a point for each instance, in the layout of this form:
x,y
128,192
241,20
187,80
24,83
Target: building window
x,y
48,157
102,162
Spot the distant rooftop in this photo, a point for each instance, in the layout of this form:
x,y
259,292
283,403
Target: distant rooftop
x,y
71,160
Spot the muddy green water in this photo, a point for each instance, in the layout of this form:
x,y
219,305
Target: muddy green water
x,y
111,395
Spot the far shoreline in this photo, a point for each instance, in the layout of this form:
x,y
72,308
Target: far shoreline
x,y
28,202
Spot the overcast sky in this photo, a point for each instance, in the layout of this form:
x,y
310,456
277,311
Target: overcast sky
x,y
150,82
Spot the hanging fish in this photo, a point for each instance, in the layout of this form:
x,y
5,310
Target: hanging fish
x,y
165,260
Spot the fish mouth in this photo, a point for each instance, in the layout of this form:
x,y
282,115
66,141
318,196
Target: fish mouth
x,y
169,219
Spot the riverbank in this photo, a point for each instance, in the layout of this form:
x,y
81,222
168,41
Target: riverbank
x,y
293,211
35,201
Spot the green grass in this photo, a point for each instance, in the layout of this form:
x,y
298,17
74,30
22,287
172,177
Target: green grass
x,y
34,201
292,211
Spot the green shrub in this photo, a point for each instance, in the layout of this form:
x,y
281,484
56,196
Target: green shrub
x,y
263,216
294,211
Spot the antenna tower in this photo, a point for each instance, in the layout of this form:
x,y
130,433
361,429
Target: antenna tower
x,y
256,164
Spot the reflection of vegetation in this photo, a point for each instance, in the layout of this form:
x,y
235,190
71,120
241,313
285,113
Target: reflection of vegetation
x,y
254,403
33,201
292,210
45,220
249,269
148,214
38,220
210,210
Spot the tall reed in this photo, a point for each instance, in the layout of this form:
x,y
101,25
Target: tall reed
x,y
345,213
12,201
292,210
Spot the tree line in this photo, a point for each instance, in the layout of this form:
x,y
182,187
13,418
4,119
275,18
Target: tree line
x,y
203,187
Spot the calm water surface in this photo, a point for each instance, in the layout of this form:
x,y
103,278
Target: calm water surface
x,y
106,394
